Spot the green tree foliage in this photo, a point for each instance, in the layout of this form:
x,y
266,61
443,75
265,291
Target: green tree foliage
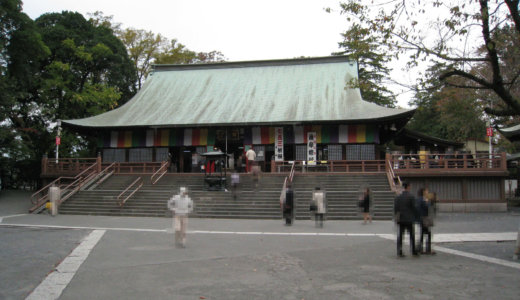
x,y
142,47
359,44
87,73
462,36
447,112
21,51
58,67
146,48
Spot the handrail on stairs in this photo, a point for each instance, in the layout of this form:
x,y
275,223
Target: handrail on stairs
x,y
392,177
105,171
34,197
160,173
288,179
121,201
41,197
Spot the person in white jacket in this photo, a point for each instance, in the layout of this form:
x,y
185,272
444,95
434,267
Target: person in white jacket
x,y
181,205
320,201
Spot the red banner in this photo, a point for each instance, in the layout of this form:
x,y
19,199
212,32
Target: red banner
x,y
489,131
58,140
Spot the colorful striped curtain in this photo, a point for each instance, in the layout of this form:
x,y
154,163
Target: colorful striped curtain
x,y
343,134
325,134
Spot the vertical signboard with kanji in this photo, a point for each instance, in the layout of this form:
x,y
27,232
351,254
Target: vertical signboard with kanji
x,y
489,131
311,147
278,143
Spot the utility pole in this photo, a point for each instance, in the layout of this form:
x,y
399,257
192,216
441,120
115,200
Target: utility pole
x,y
58,139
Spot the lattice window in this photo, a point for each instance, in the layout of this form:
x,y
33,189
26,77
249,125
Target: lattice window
x,y
335,152
301,152
140,155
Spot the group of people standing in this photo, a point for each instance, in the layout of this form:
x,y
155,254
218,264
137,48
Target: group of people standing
x,y
317,207
408,211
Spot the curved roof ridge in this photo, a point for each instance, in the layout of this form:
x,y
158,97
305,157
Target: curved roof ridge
x,y
247,93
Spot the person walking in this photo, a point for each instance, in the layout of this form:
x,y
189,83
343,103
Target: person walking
x,y
239,163
405,213
288,206
255,170
181,205
235,180
250,156
318,197
426,216
366,206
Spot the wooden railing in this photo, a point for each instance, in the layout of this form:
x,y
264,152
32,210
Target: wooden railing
x,y
137,168
120,200
440,163
73,166
342,166
66,166
159,173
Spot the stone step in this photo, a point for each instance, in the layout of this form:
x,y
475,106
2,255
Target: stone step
x,y
259,203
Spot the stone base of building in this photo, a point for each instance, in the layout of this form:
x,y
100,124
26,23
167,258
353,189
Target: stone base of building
x,y
472,207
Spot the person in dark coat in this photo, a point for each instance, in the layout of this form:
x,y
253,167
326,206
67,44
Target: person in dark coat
x,y
366,206
406,214
426,221
288,206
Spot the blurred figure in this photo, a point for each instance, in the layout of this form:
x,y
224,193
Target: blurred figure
x,y
239,163
288,206
318,197
251,156
181,205
433,202
366,206
235,180
255,170
426,217
405,215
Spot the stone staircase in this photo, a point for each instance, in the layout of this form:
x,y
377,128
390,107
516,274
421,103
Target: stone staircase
x,y
251,203
342,193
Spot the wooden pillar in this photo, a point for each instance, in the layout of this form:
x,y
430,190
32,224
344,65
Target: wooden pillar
x,y
98,162
503,161
464,190
45,161
181,161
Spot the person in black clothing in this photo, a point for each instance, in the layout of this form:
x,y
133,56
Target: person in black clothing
x,y
405,215
426,220
288,206
366,206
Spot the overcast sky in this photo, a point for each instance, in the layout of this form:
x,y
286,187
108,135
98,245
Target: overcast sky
x,y
240,29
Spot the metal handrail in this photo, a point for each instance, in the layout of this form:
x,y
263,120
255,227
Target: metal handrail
x,y
288,179
104,171
85,171
38,200
164,166
291,174
122,202
391,176
54,182
74,187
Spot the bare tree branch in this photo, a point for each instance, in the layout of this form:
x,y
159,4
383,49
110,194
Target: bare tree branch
x,y
500,112
484,83
513,8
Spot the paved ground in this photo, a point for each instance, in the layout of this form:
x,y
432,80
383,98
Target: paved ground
x,y
89,257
